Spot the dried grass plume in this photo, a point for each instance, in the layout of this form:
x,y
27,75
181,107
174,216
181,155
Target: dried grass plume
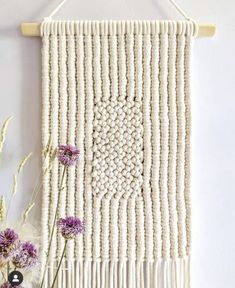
x,y
3,132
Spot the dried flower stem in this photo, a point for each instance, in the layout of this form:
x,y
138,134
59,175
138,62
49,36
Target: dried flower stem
x,y
2,208
9,206
48,147
46,152
3,275
54,224
26,213
38,186
8,268
23,162
15,176
14,184
3,132
58,269
14,189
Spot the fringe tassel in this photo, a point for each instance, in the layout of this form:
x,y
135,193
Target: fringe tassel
x,y
169,273
111,273
115,274
133,269
120,274
155,274
81,274
98,275
94,274
107,274
151,274
76,276
142,275
85,273
63,275
51,273
69,277
172,273
124,274
138,265
130,272
147,274
47,280
189,272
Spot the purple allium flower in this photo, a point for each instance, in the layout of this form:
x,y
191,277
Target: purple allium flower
x,y
26,256
9,241
8,285
68,155
70,227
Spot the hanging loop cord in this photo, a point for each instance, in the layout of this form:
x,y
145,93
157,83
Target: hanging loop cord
x,y
180,10
177,7
55,10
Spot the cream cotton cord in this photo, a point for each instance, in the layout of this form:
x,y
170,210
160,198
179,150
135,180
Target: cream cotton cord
x,y
120,92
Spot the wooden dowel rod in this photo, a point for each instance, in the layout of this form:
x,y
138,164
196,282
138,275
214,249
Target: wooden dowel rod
x,y
33,29
30,29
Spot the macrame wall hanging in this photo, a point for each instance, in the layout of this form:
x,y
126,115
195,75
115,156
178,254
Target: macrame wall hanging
x,y
120,92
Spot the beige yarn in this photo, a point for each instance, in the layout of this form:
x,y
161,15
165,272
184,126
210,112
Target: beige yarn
x,y
120,91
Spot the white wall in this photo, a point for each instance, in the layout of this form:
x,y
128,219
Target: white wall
x,y
213,154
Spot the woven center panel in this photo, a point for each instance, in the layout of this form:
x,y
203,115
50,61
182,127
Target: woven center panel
x,y
117,170
118,149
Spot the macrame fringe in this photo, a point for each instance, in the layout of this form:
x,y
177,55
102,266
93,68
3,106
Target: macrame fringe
x,y
123,274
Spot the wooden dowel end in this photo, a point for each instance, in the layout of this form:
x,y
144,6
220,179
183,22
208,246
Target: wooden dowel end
x,y
206,30
30,29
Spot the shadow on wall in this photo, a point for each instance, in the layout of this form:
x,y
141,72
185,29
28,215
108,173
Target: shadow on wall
x,y
31,108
